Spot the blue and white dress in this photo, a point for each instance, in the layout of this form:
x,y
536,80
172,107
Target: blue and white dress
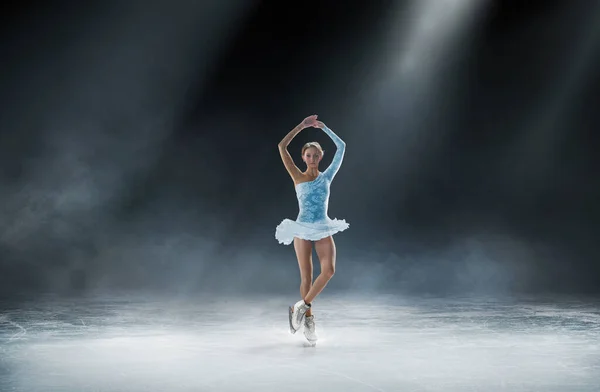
x,y
313,223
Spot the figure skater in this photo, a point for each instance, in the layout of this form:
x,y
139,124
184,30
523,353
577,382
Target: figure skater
x,y
313,223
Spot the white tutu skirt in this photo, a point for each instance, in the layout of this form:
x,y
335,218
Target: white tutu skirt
x,y
288,229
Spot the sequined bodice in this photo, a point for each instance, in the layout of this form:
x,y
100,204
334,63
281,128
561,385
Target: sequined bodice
x,y
313,200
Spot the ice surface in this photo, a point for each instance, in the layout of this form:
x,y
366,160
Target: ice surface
x,y
228,344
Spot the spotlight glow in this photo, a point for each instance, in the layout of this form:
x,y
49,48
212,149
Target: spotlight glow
x,y
434,28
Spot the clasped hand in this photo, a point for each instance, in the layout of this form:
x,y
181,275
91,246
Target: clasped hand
x,y
311,121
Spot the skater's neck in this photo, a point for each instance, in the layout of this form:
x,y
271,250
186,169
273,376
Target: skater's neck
x,y
312,172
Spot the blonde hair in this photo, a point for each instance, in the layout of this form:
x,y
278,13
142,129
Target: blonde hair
x,y
312,144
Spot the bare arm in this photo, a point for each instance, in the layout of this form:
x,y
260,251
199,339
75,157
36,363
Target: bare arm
x,y
291,135
288,162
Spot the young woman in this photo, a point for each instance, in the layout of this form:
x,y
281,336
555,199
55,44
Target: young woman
x,y
312,224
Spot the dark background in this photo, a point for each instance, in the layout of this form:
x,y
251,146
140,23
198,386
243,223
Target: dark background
x,y
138,144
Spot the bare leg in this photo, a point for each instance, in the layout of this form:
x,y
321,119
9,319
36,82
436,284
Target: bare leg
x,y
326,251
303,250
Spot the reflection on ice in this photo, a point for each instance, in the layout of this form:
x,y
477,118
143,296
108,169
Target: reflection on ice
x,y
372,344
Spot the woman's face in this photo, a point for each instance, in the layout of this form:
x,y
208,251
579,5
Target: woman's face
x,y
312,156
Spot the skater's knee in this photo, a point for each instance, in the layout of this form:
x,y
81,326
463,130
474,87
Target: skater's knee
x,y
328,271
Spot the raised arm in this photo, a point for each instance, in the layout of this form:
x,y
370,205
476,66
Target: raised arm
x,y
339,153
284,143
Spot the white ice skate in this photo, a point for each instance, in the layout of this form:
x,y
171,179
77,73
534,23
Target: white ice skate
x,y
297,313
309,330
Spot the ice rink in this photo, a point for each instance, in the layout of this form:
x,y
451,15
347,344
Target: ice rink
x,y
383,343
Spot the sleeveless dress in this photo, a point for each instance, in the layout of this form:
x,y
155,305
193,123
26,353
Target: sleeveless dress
x,y
312,222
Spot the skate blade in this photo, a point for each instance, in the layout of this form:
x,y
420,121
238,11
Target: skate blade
x,y
291,311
